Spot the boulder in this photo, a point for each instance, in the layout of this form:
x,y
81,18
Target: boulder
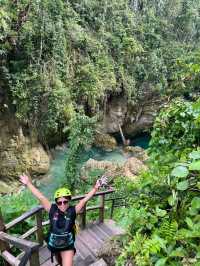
x,y
94,164
110,250
36,160
91,164
19,153
133,167
9,187
136,151
105,141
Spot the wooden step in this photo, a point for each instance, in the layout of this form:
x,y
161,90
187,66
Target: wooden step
x,y
116,230
99,237
100,262
84,247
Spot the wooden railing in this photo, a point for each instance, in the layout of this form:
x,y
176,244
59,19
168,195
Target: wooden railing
x,y
30,249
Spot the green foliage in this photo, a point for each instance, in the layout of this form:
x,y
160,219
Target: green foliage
x,y
80,137
176,128
58,55
163,215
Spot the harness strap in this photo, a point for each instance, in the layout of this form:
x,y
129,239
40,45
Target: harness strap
x,y
52,256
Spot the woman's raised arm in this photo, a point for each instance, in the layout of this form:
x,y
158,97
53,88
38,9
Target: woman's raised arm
x,y
82,202
24,179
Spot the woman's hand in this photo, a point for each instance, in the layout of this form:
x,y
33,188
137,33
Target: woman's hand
x,y
97,185
24,179
101,182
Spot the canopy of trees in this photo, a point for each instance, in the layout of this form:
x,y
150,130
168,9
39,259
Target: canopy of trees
x,y
56,55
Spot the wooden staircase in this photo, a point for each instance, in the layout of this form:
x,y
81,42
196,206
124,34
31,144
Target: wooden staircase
x,y
88,241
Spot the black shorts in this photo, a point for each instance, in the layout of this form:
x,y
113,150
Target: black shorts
x,y
71,247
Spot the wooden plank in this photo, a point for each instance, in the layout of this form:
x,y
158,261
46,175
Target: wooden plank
x,y
49,263
106,229
99,238
100,262
100,231
23,217
10,258
32,230
3,244
84,248
44,254
40,235
92,243
93,208
29,232
81,249
34,259
101,210
20,243
95,195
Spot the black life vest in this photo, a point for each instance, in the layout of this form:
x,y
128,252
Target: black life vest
x,y
61,235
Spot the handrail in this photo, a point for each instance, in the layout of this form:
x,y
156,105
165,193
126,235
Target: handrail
x,y
28,246
23,217
95,195
33,211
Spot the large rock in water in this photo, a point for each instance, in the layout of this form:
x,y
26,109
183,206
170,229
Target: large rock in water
x,y
131,168
105,141
136,151
18,154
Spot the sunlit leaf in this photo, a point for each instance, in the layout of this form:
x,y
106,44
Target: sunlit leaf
x,y
180,171
195,166
194,155
182,185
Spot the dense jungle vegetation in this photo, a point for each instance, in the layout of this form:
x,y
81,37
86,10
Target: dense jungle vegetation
x,y
61,61
59,55
163,219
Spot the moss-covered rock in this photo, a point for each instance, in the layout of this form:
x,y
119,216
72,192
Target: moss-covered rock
x,y
105,141
136,151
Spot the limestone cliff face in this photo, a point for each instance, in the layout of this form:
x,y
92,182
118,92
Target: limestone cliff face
x,y
18,154
134,118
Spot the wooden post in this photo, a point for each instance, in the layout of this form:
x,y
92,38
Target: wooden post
x,y
83,218
112,208
40,235
3,245
34,259
101,209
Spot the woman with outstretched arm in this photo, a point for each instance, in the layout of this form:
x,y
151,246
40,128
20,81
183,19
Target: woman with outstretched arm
x,y
62,217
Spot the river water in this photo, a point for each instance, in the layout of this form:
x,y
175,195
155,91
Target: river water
x,y
56,175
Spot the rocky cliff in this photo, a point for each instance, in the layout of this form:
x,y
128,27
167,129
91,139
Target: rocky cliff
x,y
18,153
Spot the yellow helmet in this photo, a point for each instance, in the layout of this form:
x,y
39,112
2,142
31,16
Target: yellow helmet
x,y
62,192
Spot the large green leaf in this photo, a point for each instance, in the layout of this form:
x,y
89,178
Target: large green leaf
x,y
189,222
180,171
194,155
179,252
195,166
161,262
160,212
182,185
195,203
